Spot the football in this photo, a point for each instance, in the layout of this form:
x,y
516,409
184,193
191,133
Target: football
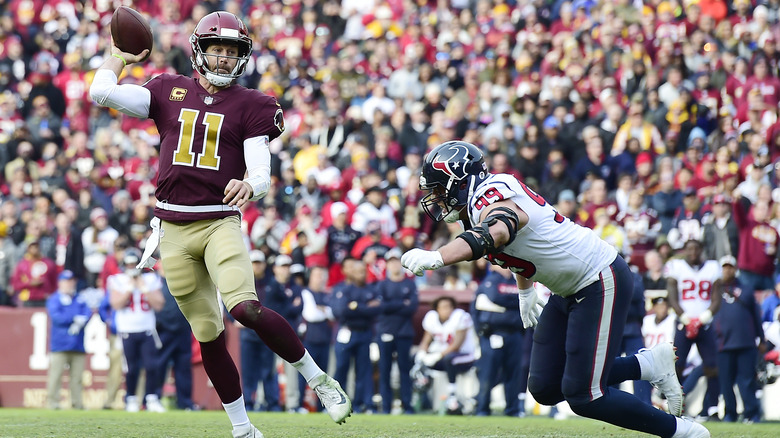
x,y
131,32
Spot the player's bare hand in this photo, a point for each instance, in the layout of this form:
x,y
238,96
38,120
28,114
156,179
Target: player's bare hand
x,y
128,57
419,260
237,193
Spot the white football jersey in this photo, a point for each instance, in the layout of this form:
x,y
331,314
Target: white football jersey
x,y
444,333
657,333
550,249
694,286
138,316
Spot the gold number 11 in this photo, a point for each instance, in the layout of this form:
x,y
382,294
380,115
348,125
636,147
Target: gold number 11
x,y
208,158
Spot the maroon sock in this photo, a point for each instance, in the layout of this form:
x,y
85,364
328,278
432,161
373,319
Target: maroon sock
x,y
221,369
274,330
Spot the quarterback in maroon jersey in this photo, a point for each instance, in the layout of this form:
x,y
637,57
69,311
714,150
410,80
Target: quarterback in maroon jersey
x,y
214,158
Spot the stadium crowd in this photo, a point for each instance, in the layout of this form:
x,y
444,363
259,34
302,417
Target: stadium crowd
x,y
651,122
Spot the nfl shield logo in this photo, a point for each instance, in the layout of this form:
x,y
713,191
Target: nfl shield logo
x,y
208,100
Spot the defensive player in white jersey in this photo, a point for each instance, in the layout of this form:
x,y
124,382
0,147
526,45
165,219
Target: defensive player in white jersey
x,y
448,343
694,289
579,331
658,327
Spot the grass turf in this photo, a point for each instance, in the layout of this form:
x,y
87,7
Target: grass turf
x,y
18,423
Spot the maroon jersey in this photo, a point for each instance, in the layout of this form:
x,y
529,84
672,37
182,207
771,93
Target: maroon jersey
x,y
202,140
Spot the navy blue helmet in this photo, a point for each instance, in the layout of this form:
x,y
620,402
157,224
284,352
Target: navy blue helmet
x,y
450,173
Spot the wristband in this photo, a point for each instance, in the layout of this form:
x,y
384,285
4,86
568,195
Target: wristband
x,y
120,58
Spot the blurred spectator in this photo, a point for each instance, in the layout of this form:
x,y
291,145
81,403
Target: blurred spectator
x,y
34,278
636,127
44,125
8,262
115,364
176,352
666,201
758,244
289,304
269,229
355,305
371,249
98,241
596,162
598,200
69,314
641,226
500,332
69,252
341,239
567,204
738,325
375,208
653,278
318,318
720,234
687,221
395,331
556,178
121,216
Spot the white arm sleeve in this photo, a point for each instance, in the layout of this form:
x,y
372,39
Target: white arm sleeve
x,y
133,100
257,156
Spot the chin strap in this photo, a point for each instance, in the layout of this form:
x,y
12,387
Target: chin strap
x,y
217,80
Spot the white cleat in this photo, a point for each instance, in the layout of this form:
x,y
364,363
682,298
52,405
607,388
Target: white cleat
x,y
334,398
662,358
131,404
153,404
688,428
250,432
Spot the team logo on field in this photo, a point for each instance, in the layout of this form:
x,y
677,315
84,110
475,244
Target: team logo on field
x,y
452,161
279,120
177,94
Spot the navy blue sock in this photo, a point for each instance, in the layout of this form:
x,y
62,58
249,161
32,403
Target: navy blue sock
x,y
624,410
624,368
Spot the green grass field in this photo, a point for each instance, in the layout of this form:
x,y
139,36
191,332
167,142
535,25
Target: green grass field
x,y
18,423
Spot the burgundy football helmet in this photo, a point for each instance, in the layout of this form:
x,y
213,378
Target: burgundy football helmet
x,y
214,27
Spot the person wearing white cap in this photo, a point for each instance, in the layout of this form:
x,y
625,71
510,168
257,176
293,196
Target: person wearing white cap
x,y
738,325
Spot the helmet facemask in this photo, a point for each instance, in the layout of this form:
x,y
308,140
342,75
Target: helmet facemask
x,y
200,59
437,203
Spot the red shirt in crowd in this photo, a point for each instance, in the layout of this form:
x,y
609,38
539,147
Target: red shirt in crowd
x,y
758,242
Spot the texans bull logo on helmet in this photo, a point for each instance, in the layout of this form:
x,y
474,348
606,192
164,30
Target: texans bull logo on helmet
x,y
452,161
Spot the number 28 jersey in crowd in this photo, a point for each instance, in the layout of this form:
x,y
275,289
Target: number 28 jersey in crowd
x,y
202,140
550,248
694,284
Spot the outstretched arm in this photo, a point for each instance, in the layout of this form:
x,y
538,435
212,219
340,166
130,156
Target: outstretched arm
x,y
487,237
133,100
